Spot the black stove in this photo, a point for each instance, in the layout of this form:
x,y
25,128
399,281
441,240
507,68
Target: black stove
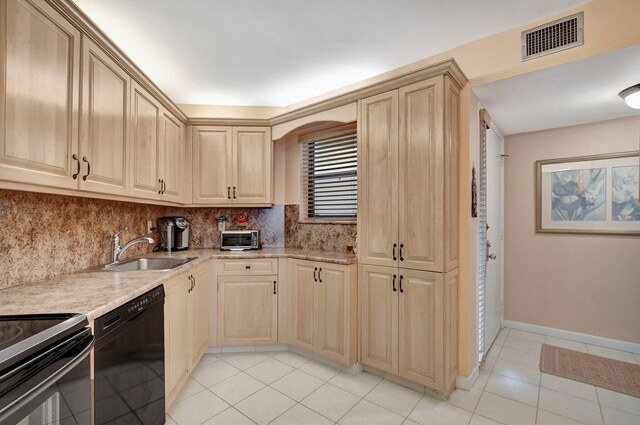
x,y
21,336
44,361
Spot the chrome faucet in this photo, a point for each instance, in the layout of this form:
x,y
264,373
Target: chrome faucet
x,y
119,250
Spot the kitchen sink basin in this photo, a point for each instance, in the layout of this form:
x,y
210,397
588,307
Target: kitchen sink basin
x,y
145,264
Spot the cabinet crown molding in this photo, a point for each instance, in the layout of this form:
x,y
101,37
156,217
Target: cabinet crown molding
x,y
77,17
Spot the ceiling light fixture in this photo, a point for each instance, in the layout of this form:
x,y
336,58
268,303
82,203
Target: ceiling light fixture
x,y
631,96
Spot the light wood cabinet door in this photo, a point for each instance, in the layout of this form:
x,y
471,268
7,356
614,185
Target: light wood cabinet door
x,y
324,298
176,339
378,180
304,278
451,328
40,95
421,219
145,122
420,335
247,310
212,164
379,315
252,165
333,311
104,134
198,314
171,156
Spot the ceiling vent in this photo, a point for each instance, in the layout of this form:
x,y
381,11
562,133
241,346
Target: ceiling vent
x,y
553,37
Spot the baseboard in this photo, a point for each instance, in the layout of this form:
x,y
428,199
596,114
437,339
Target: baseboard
x,y
467,382
575,336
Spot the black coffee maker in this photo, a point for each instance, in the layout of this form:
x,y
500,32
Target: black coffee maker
x,y
174,233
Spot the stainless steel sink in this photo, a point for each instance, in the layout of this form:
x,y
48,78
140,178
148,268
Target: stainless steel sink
x,y
141,264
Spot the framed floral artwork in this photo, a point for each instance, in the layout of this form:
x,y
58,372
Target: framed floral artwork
x,y
597,194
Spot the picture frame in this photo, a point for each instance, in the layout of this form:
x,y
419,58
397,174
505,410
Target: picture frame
x,y
595,195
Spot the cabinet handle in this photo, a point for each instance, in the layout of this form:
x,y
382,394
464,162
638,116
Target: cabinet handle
x,y
394,283
401,290
228,192
247,267
160,191
315,270
195,282
320,275
274,287
234,192
164,187
401,257
77,173
394,252
84,178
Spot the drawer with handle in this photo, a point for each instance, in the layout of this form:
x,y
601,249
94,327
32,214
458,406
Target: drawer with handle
x,y
258,266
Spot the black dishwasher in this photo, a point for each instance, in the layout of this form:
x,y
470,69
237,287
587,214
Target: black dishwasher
x,y
129,362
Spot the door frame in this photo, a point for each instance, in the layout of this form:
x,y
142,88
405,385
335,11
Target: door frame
x,y
485,123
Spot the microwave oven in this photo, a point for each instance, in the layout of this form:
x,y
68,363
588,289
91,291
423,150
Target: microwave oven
x,y
240,240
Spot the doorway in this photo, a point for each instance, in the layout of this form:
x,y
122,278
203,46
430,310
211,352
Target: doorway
x,y
491,234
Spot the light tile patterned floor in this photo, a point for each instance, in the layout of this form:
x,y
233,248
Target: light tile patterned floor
x,y
284,388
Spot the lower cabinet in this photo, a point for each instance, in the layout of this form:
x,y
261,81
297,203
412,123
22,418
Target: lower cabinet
x,y
409,324
247,303
198,315
185,326
176,359
325,309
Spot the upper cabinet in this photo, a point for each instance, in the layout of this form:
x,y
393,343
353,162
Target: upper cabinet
x,y
73,118
252,168
212,172
378,179
104,123
171,157
156,149
40,72
408,177
145,149
232,165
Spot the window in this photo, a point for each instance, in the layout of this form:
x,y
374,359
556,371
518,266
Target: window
x,y
330,174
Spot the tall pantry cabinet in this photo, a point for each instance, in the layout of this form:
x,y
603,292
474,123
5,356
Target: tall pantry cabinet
x,y
408,231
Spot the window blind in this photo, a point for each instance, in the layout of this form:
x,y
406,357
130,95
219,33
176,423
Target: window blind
x,y
482,237
330,177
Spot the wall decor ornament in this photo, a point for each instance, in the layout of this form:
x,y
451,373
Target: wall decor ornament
x,y
598,194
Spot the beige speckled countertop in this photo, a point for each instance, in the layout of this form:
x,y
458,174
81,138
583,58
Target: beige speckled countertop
x,y
94,293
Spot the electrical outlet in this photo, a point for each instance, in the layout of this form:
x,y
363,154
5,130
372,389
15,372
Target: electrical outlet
x,y
149,226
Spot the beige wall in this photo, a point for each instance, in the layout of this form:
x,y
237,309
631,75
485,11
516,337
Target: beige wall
x,y
580,283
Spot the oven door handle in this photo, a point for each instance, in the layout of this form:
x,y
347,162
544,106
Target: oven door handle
x,y
34,392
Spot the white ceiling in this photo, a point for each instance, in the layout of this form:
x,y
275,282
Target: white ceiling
x,y
574,93
279,52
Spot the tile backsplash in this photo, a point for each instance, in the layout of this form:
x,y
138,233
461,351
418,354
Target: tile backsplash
x,y
204,227
316,236
44,235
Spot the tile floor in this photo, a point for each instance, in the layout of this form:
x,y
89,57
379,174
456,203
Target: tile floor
x,y
285,388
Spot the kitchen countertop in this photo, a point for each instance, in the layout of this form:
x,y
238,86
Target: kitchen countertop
x,y
94,293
